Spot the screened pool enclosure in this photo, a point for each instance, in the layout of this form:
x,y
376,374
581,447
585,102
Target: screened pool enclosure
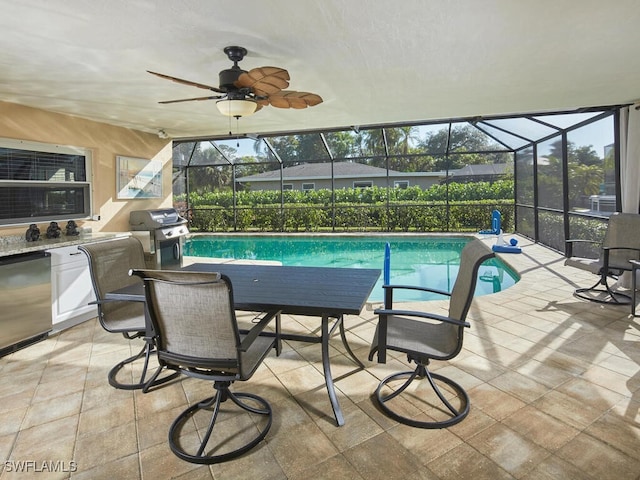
x,y
552,176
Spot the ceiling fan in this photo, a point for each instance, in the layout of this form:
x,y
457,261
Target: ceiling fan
x,y
245,92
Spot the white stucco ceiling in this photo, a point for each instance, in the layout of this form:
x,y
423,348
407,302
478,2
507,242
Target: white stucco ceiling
x,y
372,61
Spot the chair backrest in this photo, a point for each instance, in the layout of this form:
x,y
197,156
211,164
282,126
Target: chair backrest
x,y
194,318
623,231
473,254
109,265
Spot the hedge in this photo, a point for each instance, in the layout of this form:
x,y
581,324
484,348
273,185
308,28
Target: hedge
x,y
468,208
405,217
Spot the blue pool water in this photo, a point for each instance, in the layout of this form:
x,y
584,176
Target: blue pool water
x,y
431,261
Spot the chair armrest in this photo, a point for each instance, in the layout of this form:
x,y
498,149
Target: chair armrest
x,y
257,329
569,244
106,300
430,316
607,250
581,240
414,287
388,292
621,248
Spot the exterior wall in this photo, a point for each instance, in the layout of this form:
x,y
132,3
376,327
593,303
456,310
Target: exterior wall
x,y
105,142
422,181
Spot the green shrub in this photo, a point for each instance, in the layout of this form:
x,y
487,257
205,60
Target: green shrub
x,y
453,207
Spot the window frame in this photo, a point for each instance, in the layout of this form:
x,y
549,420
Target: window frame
x,y
85,185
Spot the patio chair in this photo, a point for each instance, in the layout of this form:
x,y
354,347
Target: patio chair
x,y
621,244
426,336
109,264
198,335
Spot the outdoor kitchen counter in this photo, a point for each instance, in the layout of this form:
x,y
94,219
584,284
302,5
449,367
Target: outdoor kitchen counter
x,y
15,244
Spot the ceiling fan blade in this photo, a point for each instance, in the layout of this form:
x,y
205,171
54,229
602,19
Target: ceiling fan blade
x,y
293,99
264,80
186,82
212,97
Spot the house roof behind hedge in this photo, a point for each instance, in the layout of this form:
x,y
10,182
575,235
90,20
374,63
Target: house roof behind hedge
x,y
308,171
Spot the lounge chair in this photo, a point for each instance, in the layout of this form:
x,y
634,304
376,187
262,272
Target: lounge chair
x,y
621,244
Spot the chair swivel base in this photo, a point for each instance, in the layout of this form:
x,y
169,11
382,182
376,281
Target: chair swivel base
x,y
143,383
457,415
222,395
610,297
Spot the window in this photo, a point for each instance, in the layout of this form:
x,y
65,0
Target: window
x,y
363,184
287,186
401,183
308,186
43,182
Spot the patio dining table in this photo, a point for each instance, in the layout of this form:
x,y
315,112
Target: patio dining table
x,y
327,293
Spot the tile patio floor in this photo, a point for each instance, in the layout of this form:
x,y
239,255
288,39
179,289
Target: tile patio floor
x,y
554,384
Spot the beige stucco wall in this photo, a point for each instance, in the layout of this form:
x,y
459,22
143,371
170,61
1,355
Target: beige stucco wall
x,y
105,142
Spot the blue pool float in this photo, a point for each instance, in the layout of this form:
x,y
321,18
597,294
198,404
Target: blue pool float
x,y
506,249
502,247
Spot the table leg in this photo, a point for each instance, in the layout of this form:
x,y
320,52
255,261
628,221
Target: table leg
x,y
278,334
346,344
337,411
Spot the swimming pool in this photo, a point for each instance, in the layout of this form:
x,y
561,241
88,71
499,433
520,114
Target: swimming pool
x,y
431,261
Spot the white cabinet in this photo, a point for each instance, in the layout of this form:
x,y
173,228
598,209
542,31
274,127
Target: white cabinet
x,y
71,288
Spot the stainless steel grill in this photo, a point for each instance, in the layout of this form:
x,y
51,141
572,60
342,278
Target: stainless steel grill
x,y
162,233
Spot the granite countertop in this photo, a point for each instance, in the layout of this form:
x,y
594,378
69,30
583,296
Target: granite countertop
x,y
16,244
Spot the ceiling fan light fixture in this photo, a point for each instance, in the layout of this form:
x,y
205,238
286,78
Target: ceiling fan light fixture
x,y
236,107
